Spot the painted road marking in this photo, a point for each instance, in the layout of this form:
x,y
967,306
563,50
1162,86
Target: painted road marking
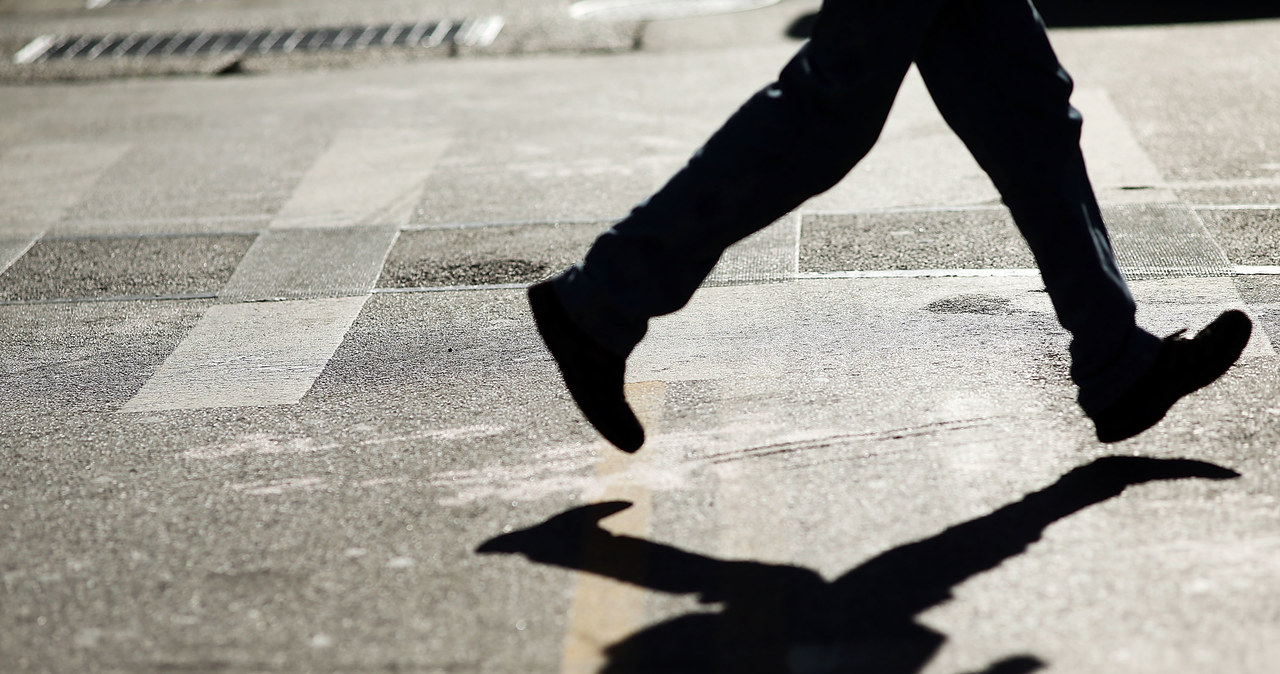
x,y
1117,162
41,182
13,248
300,264
250,355
322,254
366,177
605,611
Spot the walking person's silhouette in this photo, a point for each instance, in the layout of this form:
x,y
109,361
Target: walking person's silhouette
x,y
991,71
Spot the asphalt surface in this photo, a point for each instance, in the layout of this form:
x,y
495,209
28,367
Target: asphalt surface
x,y
272,400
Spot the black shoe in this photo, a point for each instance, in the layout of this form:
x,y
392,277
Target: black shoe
x,y
592,374
1184,365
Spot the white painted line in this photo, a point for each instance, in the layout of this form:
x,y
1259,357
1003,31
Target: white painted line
x,y
34,49
1116,160
12,249
255,222
1269,181
253,354
920,273
309,263
1234,207
452,289
42,181
366,177
603,222
1242,270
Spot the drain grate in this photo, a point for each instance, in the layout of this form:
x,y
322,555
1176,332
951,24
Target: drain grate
x,y
476,32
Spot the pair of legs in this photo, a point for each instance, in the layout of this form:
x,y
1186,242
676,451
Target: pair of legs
x,y
991,71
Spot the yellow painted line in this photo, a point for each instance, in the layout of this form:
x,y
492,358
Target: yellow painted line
x,y
605,611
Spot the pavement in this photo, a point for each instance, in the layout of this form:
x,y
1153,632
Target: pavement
x,y
272,400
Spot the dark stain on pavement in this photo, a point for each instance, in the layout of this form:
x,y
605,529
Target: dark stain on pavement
x,y
482,272
990,305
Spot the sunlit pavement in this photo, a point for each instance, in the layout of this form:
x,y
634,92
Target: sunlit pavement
x,y
270,381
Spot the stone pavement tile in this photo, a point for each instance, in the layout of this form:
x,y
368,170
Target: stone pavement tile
x,y
66,269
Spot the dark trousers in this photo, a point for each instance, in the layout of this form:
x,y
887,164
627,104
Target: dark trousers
x,y
991,71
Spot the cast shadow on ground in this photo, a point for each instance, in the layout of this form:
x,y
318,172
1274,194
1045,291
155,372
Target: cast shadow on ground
x,y
776,618
1083,13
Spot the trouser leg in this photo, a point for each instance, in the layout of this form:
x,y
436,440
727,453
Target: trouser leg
x,y
797,137
992,73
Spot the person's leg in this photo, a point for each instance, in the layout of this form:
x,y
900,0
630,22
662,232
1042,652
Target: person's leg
x,y
990,68
795,138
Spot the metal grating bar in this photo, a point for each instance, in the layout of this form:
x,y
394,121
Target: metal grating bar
x,y
477,32
172,43
144,47
125,45
76,47
109,42
439,34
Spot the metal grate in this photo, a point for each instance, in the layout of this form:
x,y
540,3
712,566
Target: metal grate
x,y
1163,241
768,256
477,32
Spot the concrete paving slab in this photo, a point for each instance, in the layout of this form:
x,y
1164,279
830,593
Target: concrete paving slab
x,y
42,181
1217,90
82,357
215,187
74,269
1247,236
1257,293
366,177
979,238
